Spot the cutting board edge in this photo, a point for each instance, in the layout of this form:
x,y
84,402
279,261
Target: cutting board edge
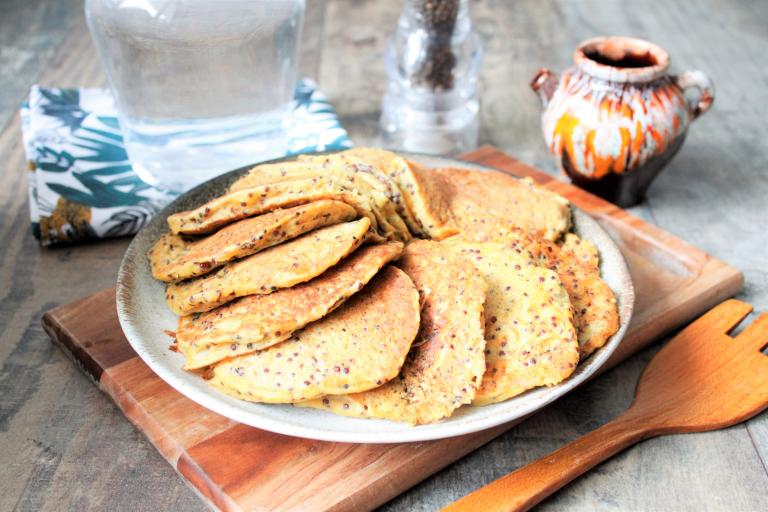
x,y
61,338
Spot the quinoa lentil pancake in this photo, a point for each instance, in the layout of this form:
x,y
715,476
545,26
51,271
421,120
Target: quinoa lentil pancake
x,y
268,174
281,266
426,198
445,366
259,321
250,202
423,198
529,334
596,314
485,205
381,163
311,166
359,346
583,250
174,258
355,174
577,264
374,171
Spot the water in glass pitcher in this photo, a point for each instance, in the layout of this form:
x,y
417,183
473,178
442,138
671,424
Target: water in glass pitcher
x,y
202,86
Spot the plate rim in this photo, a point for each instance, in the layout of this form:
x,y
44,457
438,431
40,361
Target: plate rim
x,y
445,428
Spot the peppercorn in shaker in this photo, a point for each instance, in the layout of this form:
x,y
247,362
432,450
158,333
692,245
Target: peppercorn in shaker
x,y
433,61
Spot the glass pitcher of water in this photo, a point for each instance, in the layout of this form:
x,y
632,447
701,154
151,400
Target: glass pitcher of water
x,y
201,86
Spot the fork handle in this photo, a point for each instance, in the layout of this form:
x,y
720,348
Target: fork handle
x,y
524,488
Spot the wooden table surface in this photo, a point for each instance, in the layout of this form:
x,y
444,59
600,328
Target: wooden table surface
x,y
64,446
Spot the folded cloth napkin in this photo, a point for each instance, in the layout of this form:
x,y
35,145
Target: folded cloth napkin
x,y
81,184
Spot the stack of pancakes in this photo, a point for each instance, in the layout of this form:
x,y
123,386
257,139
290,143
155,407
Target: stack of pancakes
x,y
363,284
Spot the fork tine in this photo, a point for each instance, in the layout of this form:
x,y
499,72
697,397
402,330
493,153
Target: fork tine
x,y
756,333
723,317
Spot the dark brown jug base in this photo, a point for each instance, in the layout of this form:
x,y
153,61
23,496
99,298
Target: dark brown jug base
x,y
626,189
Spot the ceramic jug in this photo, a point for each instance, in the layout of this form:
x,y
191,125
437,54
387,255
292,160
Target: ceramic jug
x,y
616,118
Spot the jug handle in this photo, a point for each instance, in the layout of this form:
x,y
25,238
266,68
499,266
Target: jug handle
x,y
544,83
700,81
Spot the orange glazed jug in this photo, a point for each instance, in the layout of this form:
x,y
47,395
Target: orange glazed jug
x,y
616,118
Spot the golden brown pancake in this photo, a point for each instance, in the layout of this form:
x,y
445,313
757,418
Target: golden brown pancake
x,y
583,250
281,266
529,334
446,364
381,163
259,321
174,258
351,172
424,200
359,346
596,315
249,202
484,206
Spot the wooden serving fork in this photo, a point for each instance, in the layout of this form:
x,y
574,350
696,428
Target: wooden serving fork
x,y
701,380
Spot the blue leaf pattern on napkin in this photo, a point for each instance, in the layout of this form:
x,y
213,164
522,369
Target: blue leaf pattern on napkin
x,y
81,183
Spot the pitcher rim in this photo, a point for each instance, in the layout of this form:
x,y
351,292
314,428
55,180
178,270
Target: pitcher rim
x,y
620,48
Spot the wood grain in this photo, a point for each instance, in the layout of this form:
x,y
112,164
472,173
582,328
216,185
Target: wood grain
x,y
66,447
236,467
703,379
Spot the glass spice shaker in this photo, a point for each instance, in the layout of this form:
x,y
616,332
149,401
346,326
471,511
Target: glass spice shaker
x,y
433,62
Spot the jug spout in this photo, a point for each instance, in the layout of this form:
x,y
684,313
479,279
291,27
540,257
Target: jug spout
x,y
544,84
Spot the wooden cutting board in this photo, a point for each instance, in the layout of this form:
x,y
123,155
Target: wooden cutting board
x,y
236,467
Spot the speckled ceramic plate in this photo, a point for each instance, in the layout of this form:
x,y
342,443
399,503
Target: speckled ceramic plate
x,y
144,316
